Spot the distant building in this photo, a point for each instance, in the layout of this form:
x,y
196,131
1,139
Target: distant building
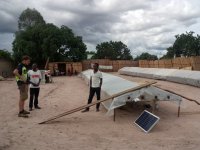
x,y
6,68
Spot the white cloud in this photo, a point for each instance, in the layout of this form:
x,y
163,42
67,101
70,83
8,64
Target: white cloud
x,y
144,25
6,40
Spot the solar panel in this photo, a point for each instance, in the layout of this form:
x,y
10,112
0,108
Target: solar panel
x,y
146,121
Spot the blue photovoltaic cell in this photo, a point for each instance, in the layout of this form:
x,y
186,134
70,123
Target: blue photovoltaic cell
x,y
146,121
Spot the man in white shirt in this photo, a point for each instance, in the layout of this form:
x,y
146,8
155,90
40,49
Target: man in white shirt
x,y
35,77
95,86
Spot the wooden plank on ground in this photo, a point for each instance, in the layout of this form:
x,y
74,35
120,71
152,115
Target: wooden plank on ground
x,y
94,103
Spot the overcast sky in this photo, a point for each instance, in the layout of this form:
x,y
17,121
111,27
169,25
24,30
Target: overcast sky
x,y
143,25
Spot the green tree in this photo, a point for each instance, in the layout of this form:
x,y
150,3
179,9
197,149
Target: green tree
x,y
41,41
29,18
44,41
186,44
170,53
49,43
5,54
72,47
29,42
113,50
146,56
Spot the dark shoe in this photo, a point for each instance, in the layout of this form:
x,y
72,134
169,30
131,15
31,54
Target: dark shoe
x,y
30,109
25,112
37,107
85,110
97,110
23,115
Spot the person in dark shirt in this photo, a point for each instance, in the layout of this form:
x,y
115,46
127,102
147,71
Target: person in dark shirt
x,y
22,81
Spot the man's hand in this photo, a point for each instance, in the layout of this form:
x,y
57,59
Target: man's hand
x,y
33,83
22,78
36,84
16,73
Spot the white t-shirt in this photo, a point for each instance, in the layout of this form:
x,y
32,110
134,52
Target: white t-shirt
x,y
34,76
96,79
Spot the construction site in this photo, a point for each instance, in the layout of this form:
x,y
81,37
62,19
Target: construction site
x,y
129,88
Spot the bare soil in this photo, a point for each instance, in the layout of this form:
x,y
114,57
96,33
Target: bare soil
x,y
95,130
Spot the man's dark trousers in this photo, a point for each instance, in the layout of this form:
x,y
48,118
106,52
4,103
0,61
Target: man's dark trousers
x,y
91,95
34,93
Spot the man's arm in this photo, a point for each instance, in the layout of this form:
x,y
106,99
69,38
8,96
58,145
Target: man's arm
x,y
101,81
36,84
40,78
90,81
16,73
29,79
39,82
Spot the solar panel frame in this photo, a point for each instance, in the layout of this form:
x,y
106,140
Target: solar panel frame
x,y
152,124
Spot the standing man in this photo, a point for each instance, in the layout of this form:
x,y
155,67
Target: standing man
x,y
34,77
21,77
95,86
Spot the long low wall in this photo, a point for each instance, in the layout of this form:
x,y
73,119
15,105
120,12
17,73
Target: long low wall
x,y
178,63
175,75
106,65
114,65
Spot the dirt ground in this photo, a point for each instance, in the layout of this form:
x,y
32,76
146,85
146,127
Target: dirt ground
x,y
95,130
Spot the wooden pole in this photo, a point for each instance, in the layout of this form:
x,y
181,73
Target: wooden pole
x,y
187,98
106,99
46,65
179,110
114,115
154,106
179,107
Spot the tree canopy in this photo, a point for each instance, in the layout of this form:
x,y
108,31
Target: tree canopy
x,y
28,18
113,50
186,44
146,56
41,41
5,54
